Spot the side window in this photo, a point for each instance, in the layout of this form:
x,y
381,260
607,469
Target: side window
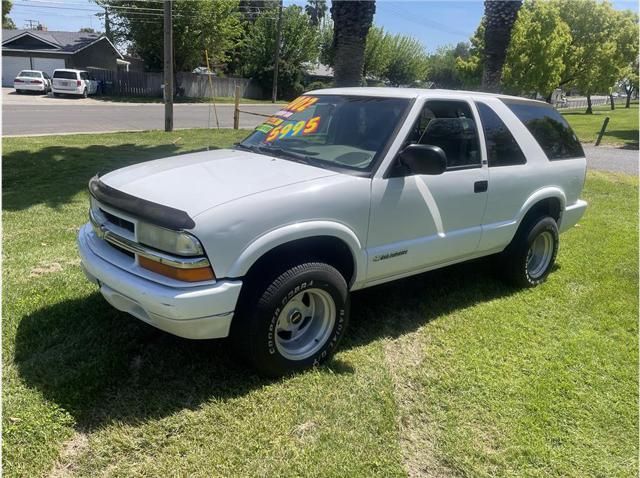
x,y
84,75
502,148
449,125
549,128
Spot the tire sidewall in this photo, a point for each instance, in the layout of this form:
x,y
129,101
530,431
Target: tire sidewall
x,y
265,317
546,224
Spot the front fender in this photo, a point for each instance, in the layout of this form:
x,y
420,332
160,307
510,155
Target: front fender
x,y
301,230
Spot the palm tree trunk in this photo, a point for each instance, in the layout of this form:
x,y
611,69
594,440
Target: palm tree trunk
x,y
589,109
351,22
499,17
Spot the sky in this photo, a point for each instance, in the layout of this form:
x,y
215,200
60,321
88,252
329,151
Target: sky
x,y
434,23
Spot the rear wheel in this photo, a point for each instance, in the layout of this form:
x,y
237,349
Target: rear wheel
x,y
57,95
530,257
296,321
85,93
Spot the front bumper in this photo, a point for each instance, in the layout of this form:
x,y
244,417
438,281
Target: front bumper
x,y
200,312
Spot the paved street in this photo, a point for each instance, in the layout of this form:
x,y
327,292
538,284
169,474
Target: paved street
x,y
36,114
616,160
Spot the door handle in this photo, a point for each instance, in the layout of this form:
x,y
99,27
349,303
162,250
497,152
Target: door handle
x,y
480,186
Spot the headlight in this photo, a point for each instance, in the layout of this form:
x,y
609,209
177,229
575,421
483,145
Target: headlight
x,y
174,242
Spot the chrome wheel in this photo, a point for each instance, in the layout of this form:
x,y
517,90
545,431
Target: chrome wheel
x,y
304,324
540,255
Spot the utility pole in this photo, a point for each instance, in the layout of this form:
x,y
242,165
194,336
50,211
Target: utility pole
x,y
276,59
107,25
168,67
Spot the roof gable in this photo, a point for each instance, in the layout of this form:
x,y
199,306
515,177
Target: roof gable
x,y
29,42
53,41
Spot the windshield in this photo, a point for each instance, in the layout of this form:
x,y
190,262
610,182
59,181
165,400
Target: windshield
x,y
329,130
30,74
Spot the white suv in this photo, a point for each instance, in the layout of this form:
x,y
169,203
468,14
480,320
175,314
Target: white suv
x,y
340,190
73,82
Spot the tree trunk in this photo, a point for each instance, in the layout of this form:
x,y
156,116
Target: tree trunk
x,y
549,97
613,103
499,17
351,23
589,109
628,103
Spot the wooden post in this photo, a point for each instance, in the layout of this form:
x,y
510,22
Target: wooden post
x,y
236,110
168,67
276,59
602,130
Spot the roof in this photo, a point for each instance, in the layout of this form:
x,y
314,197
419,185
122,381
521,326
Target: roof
x,y
407,92
61,42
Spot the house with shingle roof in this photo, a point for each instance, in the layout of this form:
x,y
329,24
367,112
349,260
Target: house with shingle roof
x,y
50,50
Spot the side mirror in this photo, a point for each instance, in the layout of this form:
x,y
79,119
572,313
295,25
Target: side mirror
x,y
424,159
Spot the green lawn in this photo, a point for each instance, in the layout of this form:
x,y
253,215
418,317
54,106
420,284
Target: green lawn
x,y
622,128
448,373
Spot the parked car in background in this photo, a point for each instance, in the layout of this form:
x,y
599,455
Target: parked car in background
x,y
74,82
32,80
342,189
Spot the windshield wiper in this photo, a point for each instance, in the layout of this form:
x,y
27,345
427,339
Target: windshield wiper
x,y
285,153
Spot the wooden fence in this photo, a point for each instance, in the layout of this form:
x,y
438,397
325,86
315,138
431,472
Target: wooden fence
x,y
128,83
190,85
199,86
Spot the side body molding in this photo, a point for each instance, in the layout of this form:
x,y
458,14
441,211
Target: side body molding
x,y
302,230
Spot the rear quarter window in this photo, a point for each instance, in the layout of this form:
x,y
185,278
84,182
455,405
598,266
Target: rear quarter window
x,y
502,148
549,128
66,75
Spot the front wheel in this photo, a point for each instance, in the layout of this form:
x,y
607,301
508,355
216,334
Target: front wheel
x,y
530,257
295,322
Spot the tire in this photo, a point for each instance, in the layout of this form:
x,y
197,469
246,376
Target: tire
x,y
57,95
85,94
529,258
294,322
19,92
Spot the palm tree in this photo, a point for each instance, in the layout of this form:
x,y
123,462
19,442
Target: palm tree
x,y
316,9
351,22
499,17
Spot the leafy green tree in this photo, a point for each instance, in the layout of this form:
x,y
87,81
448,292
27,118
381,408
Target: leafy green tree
x,y
298,47
442,68
351,22
408,62
7,23
627,51
87,30
377,53
325,55
535,58
470,67
630,81
212,25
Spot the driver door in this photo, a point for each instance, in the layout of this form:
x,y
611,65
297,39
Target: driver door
x,y
420,221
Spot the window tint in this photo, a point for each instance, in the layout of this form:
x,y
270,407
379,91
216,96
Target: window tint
x,y
549,128
502,148
29,74
67,75
450,126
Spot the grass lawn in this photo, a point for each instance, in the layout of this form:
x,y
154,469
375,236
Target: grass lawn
x,y
622,128
448,373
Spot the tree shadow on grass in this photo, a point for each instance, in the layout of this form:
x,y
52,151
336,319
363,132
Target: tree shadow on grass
x,y
53,175
102,365
629,137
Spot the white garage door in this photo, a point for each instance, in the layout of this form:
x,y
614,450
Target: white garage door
x,y
47,64
11,66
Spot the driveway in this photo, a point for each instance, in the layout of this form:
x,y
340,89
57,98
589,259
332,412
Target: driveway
x,y
33,114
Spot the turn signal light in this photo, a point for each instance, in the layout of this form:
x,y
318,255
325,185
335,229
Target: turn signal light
x,y
188,275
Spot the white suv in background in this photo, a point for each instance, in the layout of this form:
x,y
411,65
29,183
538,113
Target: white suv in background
x,y
32,80
73,82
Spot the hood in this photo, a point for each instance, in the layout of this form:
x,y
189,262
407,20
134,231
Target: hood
x,y
199,181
